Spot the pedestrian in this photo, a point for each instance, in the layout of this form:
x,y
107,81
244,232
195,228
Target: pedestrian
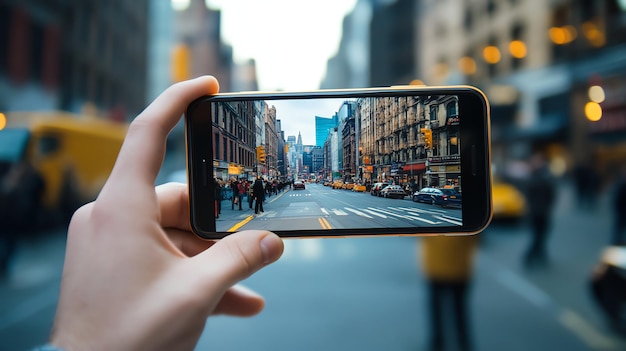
x,y
164,281
259,194
21,191
619,209
541,194
250,195
448,264
217,193
241,191
234,189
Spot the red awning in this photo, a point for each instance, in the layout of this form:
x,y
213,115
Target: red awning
x,y
415,167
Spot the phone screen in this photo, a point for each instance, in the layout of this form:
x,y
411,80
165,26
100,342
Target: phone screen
x,y
347,164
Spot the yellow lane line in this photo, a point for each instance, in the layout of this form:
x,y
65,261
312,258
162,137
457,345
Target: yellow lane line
x,y
324,223
240,224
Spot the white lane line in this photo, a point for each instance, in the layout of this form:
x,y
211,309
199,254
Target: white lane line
x,y
338,212
453,221
324,211
584,330
375,213
568,318
412,218
523,288
358,212
20,312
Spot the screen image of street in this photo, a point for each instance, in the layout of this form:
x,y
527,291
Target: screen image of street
x,y
328,163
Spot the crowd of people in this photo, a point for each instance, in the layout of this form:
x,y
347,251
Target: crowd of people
x,y
253,192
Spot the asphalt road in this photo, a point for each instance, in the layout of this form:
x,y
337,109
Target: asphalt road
x,y
368,293
320,207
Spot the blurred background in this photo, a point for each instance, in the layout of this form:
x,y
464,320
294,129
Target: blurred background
x,y
549,273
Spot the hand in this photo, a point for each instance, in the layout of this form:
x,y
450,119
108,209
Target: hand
x,y
135,276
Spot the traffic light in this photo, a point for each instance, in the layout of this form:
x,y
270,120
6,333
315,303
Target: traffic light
x,y
428,137
260,153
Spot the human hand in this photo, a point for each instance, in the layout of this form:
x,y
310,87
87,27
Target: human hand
x,y
135,276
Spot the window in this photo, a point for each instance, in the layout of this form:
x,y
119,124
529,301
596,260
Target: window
x,y
451,109
433,112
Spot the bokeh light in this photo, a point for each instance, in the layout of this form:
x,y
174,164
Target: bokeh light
x,y
596,94
517,48
593,111
491,54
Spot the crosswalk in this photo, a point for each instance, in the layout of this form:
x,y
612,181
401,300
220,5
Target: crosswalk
x,y
427,216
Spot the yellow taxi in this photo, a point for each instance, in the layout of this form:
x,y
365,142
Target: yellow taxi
x,y
359,188
508,202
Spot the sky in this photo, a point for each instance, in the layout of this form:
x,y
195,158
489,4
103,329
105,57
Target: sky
x,y
298,116
291,41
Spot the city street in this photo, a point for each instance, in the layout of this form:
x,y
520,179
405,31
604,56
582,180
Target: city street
x,y
321,207
368,293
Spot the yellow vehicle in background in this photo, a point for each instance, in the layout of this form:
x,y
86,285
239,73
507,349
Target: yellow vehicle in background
x,y
71,155
508,202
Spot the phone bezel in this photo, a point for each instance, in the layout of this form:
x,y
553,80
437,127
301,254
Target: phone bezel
x,y
474,151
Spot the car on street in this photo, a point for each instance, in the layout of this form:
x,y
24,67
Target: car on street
x,y
298,184
509,204
393,191
436,196
376,188
360,188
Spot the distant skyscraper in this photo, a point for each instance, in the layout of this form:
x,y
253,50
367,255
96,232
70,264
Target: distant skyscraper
x,y
299,143
323,126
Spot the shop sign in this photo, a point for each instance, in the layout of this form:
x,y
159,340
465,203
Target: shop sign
x,y
444,159
453,121
453,168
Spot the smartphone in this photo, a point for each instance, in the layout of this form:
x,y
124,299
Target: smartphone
x,y
407,160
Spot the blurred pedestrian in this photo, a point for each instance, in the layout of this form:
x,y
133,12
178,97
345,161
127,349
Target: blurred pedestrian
x,y
619,210
250,195
586,180
541,195
448,264
218,197
234,187
21,190
259,194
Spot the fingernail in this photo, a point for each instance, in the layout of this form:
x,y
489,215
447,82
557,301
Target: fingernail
x,y
271,248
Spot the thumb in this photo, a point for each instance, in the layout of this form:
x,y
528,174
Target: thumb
x,y
239,255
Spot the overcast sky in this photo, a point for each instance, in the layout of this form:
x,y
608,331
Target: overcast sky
x,y
291,41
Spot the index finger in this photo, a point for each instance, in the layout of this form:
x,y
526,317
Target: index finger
x,y
142,152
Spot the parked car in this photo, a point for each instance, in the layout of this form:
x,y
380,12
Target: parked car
x,y
393,191
298,184
376,188
441,197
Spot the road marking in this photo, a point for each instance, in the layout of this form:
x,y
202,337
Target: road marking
x,y
240,224
586,332
20,312
580,327
324,223
412,218
358,212
450,220
338,212
375,213
523,288
324,211
419,210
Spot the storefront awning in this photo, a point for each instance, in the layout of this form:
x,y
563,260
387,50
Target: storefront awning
x,y
415,167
